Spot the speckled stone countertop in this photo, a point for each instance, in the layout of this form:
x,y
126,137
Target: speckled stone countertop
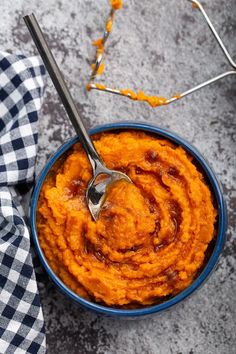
x,y
161,47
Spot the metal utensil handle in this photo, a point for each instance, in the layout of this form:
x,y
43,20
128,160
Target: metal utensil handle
x,y
61,87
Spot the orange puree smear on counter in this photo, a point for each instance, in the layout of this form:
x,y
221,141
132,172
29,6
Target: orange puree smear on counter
x,y
151,236
98,86
109,25
99,44
116,4
153,101
100,69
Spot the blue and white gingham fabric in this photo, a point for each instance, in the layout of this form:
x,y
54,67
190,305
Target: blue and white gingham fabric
x,y
21,317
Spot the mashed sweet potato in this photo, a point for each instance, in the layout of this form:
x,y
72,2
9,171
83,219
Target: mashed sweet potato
x,y
151,236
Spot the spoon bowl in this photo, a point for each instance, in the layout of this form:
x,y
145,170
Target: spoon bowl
x,y
98,187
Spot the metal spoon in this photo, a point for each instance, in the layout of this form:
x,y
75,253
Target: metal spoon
x,y
97,187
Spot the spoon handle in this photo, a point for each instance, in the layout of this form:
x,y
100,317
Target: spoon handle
x,y
62,89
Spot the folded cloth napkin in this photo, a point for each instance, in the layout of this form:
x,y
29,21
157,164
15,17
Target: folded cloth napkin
x,y
21,317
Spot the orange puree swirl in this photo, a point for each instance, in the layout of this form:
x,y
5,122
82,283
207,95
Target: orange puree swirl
x,y
151,236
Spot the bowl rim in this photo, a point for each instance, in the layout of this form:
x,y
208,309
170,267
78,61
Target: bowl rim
x,y
220,238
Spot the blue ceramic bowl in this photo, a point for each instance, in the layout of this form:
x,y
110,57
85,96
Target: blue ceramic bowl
x,y
215,253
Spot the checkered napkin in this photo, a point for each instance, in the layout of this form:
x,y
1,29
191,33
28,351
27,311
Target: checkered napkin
x,y
21,318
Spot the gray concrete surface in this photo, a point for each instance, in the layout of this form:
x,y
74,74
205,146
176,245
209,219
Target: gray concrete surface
x,y
162,47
